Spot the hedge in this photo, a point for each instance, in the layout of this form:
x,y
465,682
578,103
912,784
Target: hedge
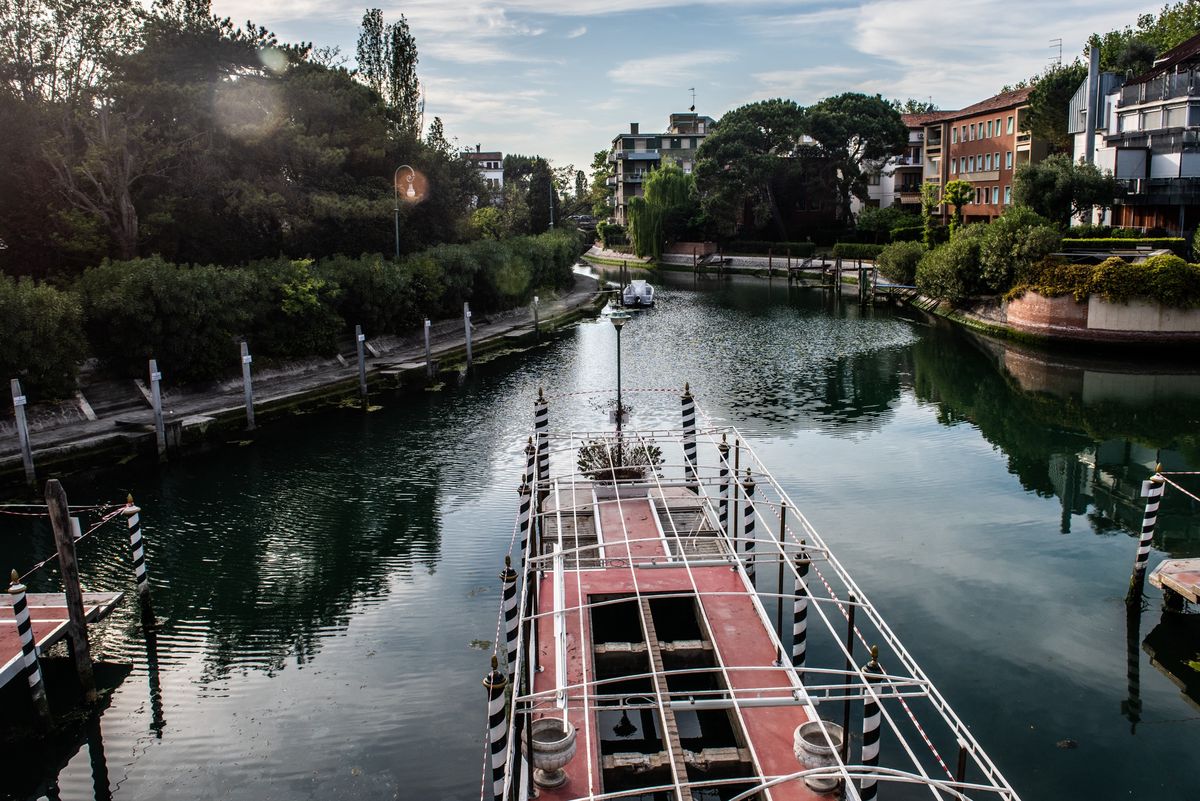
x,y
1165,279
898,261
1176,244
41,337
855,250
757,246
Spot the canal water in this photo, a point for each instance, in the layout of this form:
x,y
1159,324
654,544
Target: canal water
x,y
327,589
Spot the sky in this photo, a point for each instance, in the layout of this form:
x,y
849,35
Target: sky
x,y
561,79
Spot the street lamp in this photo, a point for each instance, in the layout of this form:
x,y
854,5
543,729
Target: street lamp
x,y
409,194
619,318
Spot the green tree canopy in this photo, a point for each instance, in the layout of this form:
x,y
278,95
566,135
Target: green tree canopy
x,y
664,212
1058,188
853,129
958,193
1133,48
1049,103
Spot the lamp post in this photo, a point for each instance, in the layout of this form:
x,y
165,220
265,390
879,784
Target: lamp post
x,y
409,193
618,318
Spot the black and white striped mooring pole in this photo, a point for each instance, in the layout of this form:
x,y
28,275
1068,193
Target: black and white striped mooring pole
x,y
497,727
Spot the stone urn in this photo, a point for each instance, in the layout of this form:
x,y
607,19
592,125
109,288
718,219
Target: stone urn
x,y
553,747
812,750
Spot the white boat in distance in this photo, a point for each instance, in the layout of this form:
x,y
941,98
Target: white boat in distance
x,y
638,293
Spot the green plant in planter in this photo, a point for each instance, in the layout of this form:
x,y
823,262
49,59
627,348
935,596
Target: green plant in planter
x,y
604,460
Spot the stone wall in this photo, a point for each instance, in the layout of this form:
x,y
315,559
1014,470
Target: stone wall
x,y
1097,319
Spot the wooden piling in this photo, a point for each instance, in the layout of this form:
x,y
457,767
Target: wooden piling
x,y
428,356
77,639
19,401
247,386
536,328
160,430
359,340
467,330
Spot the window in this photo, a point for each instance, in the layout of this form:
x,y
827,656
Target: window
x,y
685,144
995,194
1010,124
954,135
972,130
977,194
1007,195
987,159
971,161
997,126
989,129
873,179
1151,120
1008,160
996,160
964,133
1129,121
1176,117
953,166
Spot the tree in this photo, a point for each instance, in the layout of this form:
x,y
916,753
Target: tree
x,y
1058,188
404,89
851,130
1133,49
543,196
600,192
664,212
1049,102
929,209
371,51
880,222
436,139
1012,244
958,193
580,184
914,106
741,161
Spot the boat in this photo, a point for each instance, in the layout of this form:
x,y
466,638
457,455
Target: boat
x,y
671,626
638,293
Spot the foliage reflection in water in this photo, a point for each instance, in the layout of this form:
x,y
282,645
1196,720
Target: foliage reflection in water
x,y
327,593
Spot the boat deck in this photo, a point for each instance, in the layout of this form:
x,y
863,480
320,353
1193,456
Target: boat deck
x,y
48,616
1179,575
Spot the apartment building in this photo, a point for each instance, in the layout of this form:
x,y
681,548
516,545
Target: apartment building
x,y
983,144
897,182
490,164
1146,130
635,154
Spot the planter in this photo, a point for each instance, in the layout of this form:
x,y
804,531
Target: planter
x,y
812,750
553,747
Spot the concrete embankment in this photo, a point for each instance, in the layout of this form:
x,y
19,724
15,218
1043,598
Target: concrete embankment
x,y
73,435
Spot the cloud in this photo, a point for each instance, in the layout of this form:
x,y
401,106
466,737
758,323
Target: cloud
x,y
811,84
577,32
672,69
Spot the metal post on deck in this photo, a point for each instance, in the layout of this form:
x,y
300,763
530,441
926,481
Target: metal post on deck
x,y
467,330
160,430
497,727
748,525
33,670
428,354
359,340
508,587
723,475
735,492
77,638
19,401
1152,491
247,386
800,614
689,439
869,788
137,547
850,606
782,559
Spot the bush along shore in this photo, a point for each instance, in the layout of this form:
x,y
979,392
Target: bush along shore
x,y
188,316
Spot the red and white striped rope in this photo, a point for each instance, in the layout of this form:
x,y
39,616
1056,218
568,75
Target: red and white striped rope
x,y
1181,489
87,533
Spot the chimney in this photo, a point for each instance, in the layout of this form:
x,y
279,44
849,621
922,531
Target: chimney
x,y
633,128
1093,106
477,147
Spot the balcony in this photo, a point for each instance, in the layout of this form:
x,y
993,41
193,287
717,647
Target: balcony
x,y
1162,87
633,177
908,161
610,180
1024,140
640,155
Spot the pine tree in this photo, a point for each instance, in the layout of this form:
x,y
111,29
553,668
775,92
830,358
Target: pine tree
x,y
404,89
372,64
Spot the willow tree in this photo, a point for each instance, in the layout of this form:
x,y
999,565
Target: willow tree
x,y
658,217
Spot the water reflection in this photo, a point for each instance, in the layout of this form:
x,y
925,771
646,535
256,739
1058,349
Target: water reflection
x,y
1172,648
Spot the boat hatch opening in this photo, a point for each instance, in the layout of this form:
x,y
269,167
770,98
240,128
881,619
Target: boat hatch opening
x,y
687,525
664,653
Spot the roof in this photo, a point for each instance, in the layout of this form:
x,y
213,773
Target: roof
x,y
924,118
1016,97
1168,61
491,155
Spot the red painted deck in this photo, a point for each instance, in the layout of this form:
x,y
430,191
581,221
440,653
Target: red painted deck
x,y
48,616
738,634
1180,575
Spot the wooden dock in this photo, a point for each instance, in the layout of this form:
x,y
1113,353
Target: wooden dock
x,y
1181,576
48,615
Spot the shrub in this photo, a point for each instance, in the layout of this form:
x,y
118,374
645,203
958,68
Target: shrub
x,y
291,310
187,317
1012,244
1165,279
611,234
951,271
856,250
1172,281
1174,243
898,261
911,233
1089,231
41,337
382,296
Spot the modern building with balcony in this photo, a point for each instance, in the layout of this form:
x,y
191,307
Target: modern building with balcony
x,y
635,154
1146,130
983,144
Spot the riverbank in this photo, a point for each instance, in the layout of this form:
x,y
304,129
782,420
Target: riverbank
x,y
74,435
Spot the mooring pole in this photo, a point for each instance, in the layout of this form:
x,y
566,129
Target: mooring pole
x,y
1152,491
748,525
19,401
137,547
160,430
689,439
359,341
467,329
497,727
960,774
508,594
536,328
850,602
541,429
723,476
800,614
247,386
77,638
869,787
782,559
428,353
32,670
1131,707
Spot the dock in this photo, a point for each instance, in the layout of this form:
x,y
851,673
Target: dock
x,y
1180,576
48,615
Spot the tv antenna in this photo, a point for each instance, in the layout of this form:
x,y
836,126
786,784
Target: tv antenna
x,y
693,106
1056,44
